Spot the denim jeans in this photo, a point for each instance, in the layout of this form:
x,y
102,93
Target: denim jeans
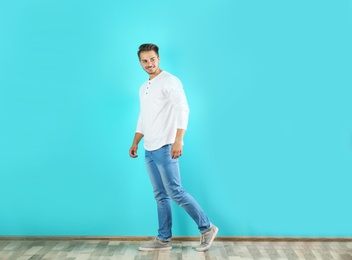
x,y
164,174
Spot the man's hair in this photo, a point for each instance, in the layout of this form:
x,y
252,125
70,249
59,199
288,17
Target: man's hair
x,y
148,47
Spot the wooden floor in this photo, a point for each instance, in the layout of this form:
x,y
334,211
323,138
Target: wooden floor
x,y
21,249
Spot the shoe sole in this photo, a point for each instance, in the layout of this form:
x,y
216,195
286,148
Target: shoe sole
x,y
211,241
155,249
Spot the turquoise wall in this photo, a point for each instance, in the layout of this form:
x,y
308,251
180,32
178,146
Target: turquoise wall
x,y
268,151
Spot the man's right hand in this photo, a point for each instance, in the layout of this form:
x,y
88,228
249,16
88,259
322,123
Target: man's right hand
x,y
133,151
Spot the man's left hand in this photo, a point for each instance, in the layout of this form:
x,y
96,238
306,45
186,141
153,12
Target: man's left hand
x,y
176,149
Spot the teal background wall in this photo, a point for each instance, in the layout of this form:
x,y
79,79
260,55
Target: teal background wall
x,y
268,151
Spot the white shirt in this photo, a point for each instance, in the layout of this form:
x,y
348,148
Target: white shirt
x,y
163,110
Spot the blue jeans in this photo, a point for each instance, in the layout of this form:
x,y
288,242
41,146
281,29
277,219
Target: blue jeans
x,y
164,174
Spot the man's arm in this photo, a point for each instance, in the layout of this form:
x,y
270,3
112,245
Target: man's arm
x,y
133,150
176,150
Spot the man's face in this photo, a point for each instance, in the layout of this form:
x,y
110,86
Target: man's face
x,y
149,61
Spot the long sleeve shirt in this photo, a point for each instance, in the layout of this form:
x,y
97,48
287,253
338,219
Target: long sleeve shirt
x,y
163,110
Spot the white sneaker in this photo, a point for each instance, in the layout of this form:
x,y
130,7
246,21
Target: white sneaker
x,y
156,244
207,239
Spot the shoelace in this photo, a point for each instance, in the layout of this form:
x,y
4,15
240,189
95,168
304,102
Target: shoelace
x,y
152,241
202,239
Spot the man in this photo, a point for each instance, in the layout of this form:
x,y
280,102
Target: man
x,y
162,122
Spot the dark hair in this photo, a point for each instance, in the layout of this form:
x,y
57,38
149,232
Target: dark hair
x,y
148,47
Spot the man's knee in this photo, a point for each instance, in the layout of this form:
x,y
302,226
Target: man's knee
x,y
161,197
177,196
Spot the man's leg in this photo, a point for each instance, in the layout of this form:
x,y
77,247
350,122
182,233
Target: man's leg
x,y
161,197
170,175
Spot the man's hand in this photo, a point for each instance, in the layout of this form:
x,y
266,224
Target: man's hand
x,y
133,151
176,149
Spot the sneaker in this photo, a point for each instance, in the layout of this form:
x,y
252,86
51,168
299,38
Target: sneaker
x,y
207,239
156,244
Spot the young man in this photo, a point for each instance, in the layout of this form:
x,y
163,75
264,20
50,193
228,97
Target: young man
x,y
162,122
